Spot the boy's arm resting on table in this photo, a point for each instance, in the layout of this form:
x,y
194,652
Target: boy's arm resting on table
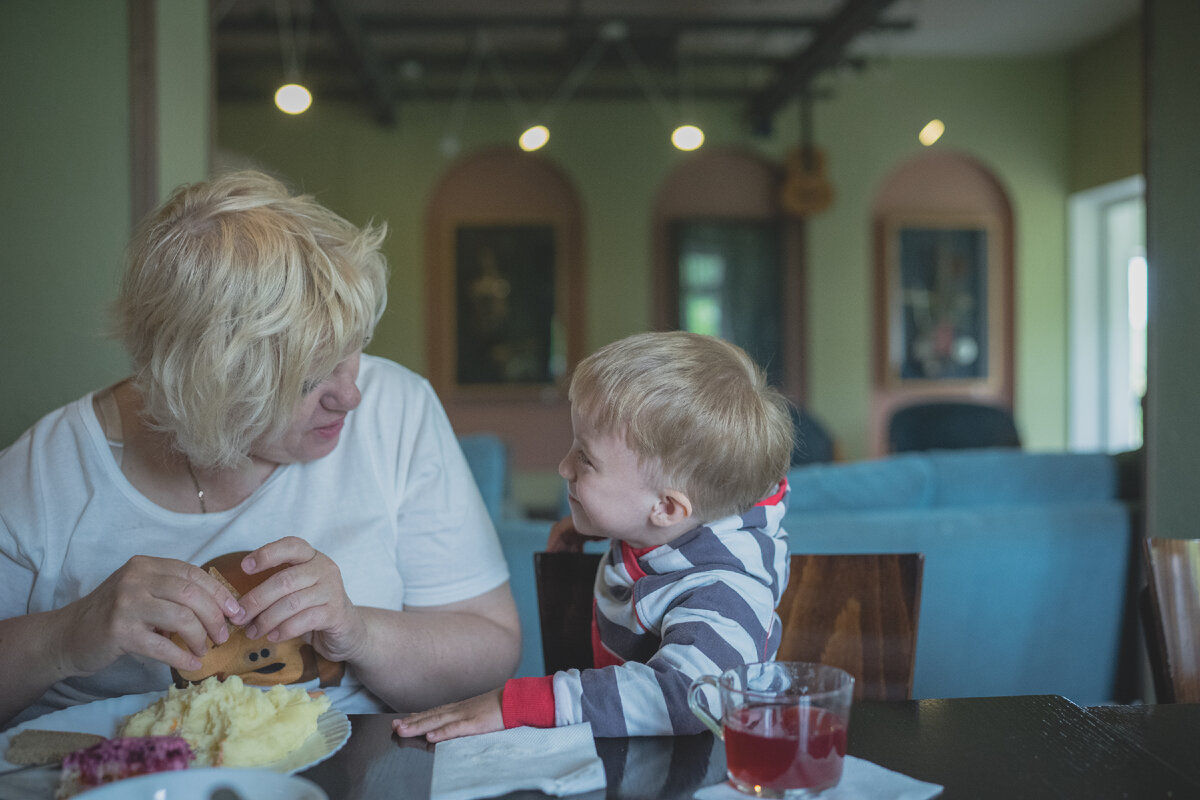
x,y
479,714
521,701
632,699
650,699
430,655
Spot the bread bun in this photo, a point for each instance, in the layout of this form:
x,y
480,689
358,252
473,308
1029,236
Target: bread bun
x,y
258,662
32,746
229,567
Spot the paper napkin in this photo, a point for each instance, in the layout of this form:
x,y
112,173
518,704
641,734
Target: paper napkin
x,y
557,761
859,779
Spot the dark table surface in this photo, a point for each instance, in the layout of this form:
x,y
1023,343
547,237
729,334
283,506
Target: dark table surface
x,y
1039,746
1171,732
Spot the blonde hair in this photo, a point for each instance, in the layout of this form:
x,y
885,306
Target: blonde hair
x,y
696,410
235,295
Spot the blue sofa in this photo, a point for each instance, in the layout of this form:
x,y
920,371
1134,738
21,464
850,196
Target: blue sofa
x,y
1029,559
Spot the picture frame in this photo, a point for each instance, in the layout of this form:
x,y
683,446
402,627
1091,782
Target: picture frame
x,y
506,288
944,288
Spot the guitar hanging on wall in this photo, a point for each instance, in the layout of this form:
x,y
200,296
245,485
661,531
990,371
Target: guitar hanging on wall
x,y
806,189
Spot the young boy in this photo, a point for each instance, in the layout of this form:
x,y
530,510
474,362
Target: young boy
x,y
679,459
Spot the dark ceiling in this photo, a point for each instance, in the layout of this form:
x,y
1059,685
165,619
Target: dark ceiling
x,y
381,54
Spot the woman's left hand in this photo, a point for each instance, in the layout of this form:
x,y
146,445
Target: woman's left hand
x,y
307,596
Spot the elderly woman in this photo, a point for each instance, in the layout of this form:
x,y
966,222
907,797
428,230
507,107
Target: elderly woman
x,y
252,421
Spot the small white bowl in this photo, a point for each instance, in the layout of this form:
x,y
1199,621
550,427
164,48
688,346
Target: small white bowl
x,y
199,783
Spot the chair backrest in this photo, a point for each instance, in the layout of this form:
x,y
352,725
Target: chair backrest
x,y
811,443
858,612
1171,610
947,425
564,591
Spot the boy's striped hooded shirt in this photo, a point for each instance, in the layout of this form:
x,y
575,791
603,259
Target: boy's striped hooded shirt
x,y
662,617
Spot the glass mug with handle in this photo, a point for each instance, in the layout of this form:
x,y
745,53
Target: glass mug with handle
x,y
784,724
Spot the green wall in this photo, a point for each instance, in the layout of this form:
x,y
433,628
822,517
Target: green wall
x,y
1107,119
65,184
64,202
183,87
1010,115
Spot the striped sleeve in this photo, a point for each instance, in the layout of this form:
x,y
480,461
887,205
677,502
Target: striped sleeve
x,y
709,627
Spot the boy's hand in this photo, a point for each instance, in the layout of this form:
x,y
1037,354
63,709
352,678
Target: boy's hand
x,y
565,539
480,714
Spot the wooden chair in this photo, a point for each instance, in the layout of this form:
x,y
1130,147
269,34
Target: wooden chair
x,y
858,612
564,593
1171,613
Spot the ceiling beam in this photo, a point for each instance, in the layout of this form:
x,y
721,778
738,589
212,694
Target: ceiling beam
x,y
376,83
401,22
827,50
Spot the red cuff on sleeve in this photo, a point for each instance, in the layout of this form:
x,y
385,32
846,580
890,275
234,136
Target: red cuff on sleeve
x,y
528,701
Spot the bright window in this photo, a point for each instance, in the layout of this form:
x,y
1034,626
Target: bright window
x,y
1108,317
729,279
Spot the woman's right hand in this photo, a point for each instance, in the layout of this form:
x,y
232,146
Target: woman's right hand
x,y
135,610
565,539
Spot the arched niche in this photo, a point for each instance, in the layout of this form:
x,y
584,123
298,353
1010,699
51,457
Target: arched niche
x,y
506,199
942,229
732,184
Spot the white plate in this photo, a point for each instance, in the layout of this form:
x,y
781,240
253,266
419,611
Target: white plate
x,y
103,716
200,783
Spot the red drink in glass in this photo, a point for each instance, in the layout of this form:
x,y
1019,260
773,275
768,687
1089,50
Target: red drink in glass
x,y
772,749
784,724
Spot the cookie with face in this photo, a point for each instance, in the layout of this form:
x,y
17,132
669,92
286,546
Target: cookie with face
x,y
258,662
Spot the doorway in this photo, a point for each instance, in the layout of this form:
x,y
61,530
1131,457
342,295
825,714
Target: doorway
x,y
1108,317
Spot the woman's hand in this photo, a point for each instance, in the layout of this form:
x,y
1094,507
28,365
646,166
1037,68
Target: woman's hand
x,y
306,597
135,610
565,539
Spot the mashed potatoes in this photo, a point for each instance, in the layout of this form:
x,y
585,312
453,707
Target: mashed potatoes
x,y
231,724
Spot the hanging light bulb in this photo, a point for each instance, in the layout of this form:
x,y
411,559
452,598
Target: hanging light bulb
x,y
932,131
534,138
292,98
687,137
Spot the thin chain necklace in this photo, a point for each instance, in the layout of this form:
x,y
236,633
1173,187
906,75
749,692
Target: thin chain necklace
x,y
196,484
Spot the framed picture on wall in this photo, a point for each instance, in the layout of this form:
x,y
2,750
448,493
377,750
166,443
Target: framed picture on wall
x,y
944,301
505,279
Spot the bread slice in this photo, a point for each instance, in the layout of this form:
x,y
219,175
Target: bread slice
x,y
216,573
32,746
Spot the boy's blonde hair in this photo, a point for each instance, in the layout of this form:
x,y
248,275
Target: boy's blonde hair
x,y
235,295
696,410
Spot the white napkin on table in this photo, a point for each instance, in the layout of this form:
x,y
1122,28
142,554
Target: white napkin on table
x,y
860,780
557,761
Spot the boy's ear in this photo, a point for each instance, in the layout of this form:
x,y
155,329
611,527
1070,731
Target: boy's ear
x,y
673,507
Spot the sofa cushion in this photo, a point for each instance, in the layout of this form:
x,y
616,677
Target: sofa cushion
x,y
1002,477
894,482
980,477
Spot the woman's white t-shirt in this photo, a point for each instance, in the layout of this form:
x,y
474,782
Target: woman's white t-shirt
x,y
394,505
